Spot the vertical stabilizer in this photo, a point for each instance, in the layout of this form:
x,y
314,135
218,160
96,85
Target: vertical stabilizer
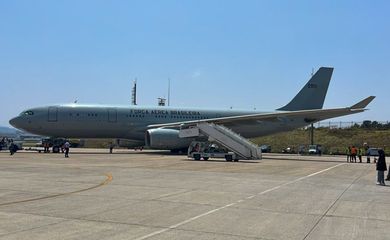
x,y
312,95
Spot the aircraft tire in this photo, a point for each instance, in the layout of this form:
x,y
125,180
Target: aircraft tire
x,y
56,149
205,158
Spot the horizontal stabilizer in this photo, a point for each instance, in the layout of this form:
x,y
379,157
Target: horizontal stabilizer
x,y
362,104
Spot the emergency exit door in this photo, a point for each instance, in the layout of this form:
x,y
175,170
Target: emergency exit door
x,y
52,114
112,115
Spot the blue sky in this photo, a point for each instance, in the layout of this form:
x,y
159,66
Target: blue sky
x,y
218,54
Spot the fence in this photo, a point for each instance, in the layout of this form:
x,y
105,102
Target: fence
x,y
335,125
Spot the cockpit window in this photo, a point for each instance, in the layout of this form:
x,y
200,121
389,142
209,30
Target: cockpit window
x,y
27,113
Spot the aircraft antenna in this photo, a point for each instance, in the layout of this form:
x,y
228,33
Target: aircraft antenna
x,y
161,101
134,93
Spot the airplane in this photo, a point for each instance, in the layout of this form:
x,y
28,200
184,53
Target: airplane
x,y
158,127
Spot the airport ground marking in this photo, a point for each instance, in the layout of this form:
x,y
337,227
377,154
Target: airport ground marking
x,y
234,203
108,179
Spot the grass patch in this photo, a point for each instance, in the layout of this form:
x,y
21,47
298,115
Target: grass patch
x,y
332,140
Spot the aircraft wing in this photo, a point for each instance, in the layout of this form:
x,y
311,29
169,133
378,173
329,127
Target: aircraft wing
x,y
310,116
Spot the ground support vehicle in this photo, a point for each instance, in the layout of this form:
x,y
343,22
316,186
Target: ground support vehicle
x,y
205,150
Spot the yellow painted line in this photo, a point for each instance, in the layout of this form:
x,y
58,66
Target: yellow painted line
x,y
108,179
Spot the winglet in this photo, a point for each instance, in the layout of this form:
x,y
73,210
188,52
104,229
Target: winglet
x,y
362,104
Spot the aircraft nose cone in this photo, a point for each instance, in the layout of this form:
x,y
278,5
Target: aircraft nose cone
x,y
15,122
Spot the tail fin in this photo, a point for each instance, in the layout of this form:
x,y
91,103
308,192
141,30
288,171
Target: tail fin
x,y
312,95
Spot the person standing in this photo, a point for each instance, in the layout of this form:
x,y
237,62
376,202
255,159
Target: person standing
x,y
111,147
360,153
348,152
381,168
388,174
12,148
66,147
46,147
353,154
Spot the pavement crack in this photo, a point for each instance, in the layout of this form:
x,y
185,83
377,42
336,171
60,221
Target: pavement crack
x,y
334,203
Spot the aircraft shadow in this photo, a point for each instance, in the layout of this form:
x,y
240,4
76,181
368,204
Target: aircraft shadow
x,y
301,160
123,153
220,161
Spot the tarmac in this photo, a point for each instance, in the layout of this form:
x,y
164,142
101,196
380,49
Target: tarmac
x,y
155,195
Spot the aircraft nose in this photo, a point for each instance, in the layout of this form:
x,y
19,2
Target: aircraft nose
x,y
15,122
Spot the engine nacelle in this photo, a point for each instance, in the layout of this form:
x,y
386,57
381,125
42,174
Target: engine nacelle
x,y
166,139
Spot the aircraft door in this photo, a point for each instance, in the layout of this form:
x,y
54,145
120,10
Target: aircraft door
x,y
112,115
52,114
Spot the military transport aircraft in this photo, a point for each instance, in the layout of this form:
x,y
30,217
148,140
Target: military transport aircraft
x,y
158,127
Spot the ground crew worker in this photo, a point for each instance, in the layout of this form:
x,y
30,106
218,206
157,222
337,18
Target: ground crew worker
x,y
353,153
360,153
66,147
348,152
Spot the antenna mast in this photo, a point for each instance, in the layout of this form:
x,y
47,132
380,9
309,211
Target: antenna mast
x,y
134,93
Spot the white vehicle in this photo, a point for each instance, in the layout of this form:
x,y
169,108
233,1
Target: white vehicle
x,y
205,150
315,149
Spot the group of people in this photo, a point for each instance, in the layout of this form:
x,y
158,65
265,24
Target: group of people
x,y
8,143
353,152
64,148
12,147
5,140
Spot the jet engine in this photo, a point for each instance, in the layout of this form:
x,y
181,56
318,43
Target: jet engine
x,y
166,139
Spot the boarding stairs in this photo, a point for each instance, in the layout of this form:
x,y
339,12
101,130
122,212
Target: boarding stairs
x,y
225,137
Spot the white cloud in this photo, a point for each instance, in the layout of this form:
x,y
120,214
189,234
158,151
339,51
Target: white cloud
x,y
196,73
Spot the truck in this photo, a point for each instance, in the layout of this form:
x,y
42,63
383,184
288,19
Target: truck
x,y
315,149
205,150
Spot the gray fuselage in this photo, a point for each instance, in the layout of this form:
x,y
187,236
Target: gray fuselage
x,y
131,122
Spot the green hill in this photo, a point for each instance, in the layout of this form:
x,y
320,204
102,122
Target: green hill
x,y
332,140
